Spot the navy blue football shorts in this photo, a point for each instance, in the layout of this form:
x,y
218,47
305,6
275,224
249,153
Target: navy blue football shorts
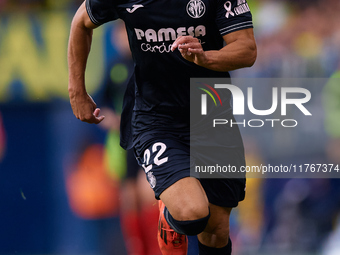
x,y
165,159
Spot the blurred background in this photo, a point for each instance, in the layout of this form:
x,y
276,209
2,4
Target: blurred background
x,y
61,192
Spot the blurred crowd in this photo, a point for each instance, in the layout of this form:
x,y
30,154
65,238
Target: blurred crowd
x,y
296,38
28,5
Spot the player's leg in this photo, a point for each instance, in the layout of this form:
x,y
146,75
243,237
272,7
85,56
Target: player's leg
x,y
223,194
166,161
186,200
167,166
215,238
187,213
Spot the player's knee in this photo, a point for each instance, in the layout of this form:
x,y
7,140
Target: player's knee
x,y
189,227
192,212
222,237
216,237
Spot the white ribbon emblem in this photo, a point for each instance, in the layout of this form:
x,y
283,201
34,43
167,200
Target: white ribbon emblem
x,y
227,6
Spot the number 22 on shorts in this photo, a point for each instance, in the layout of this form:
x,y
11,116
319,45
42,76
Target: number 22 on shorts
x,y
160,149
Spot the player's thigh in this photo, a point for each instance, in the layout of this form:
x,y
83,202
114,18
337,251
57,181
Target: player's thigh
x,y
186,199
166,162
145,195
216,233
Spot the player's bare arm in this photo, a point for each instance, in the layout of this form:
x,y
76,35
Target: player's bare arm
x,y
239,52
83,106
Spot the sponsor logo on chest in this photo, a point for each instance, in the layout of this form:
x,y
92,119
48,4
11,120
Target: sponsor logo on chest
x,y
169,34
194,8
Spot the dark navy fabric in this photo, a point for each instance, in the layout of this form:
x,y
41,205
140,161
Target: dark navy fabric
x,y
156,107
162,77
176,165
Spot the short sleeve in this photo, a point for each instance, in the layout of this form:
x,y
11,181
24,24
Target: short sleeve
x,y
101,11
232,16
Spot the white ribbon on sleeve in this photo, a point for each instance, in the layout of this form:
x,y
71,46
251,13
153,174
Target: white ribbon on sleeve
x,y
227,6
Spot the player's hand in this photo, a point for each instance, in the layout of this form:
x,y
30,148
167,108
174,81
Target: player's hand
x,y
190,49
85,109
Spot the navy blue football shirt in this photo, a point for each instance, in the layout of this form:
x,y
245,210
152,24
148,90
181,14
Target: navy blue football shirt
x,y
161,78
